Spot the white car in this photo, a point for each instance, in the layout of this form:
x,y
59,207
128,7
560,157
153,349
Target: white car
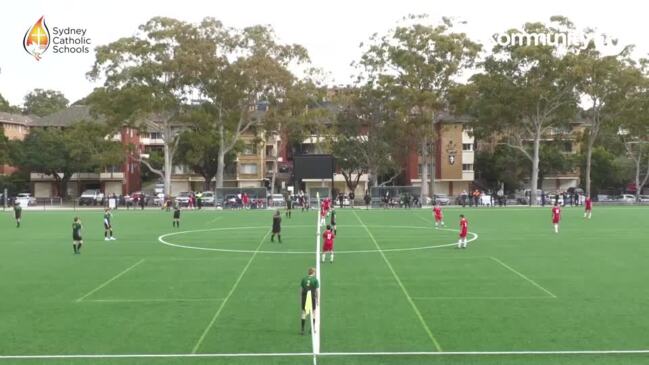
x,y
159,199
25,199
277,200
207,198
183,198
627,198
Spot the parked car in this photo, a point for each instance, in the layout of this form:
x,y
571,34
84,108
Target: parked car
x,y
159,199
91,197
159,188
277,200
182,199
207,197
230,201
644,198
136,198
441,199
626,198
25,199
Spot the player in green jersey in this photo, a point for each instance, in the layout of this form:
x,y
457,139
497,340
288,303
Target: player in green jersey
x,y
18,213
277,227
108,227
176,221
77,240
309,286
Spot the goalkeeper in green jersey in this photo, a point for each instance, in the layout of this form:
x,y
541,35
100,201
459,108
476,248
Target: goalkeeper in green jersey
x,y
309,288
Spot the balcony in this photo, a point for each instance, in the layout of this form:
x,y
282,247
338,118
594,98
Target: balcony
x,y
111,176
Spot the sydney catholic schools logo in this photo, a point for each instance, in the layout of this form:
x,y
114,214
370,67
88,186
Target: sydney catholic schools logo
x,y
64,40
37,39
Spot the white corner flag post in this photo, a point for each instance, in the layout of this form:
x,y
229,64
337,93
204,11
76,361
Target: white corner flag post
x,y
315,325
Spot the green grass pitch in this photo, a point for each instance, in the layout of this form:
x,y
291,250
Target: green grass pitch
x,y
219,286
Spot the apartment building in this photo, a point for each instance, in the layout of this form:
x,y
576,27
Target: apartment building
x,y
15,127
453,155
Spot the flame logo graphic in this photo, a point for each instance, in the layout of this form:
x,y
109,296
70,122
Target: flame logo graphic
x,y
37,39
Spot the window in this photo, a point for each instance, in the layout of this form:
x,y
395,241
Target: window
x,y
249,149
155,135
467,147
467,167
248,168
567,147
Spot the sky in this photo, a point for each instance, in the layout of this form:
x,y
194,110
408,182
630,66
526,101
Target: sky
x,y
330,30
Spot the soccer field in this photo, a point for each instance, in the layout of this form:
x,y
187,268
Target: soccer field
x,y
217,291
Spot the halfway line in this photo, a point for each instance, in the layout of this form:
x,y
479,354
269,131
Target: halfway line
x,y
225,301
109,281
403,288
524,277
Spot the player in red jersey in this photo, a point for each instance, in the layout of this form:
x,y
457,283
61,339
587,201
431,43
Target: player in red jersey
x,y
323,214
588,204
327,205
556,217
439,218
464,229
328,245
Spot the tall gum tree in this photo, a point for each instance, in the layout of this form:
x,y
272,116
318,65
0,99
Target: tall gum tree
x,y
526,91
419,64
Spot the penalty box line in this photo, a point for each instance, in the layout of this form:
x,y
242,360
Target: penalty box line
x,y
403,288
227,298
329,354
109,281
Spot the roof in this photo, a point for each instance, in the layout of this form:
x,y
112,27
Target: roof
x,y
66,117
446,117
10,118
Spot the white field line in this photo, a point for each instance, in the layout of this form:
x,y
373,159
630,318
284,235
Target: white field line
x,y
315,327
225,301
153,300
213,220
482,298
109,281
331,354
403,288
162,240
524,277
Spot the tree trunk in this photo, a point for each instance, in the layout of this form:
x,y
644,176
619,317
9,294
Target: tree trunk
x,y
589,157
534,183
637,178
220,168
433,156
221,159
424,171
371,177
208,179
273,176
168,166
63,185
